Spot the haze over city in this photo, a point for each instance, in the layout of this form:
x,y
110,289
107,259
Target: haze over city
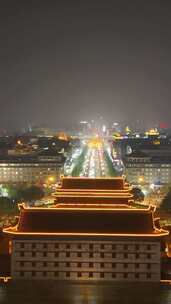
x,y
85,151
64,61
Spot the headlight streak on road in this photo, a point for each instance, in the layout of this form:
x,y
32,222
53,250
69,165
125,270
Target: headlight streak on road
x,y
71,161
94,164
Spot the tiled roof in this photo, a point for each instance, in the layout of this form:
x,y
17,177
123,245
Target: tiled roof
x,y
92,183
88,199
63,220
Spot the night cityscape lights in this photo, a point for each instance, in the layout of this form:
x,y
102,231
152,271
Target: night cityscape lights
x,y
85,152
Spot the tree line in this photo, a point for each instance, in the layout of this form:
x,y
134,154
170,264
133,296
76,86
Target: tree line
x,y
11,195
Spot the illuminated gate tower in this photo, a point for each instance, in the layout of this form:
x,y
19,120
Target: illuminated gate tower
x,y
92,233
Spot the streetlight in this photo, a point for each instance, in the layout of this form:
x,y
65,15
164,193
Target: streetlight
x,y
141,179
51,179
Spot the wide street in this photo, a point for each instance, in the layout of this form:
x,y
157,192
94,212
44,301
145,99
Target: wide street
x,y
94,164
93,159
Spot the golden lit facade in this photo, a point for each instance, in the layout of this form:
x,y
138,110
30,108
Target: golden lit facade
x,y
86,258
147,171
28,171
110,243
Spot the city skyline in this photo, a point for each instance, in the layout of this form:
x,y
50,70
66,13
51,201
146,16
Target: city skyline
x,y
64,62
85,151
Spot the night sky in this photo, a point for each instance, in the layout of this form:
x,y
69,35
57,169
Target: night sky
x,y
65,61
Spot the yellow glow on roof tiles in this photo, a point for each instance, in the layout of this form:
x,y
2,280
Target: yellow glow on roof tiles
x,y
103,194
92,205
91,178
158,233
92,190
150,208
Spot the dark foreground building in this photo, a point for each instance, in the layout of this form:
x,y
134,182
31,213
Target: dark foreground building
x,y
87,242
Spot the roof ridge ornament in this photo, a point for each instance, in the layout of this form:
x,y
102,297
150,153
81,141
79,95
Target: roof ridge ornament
x,y
21,206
